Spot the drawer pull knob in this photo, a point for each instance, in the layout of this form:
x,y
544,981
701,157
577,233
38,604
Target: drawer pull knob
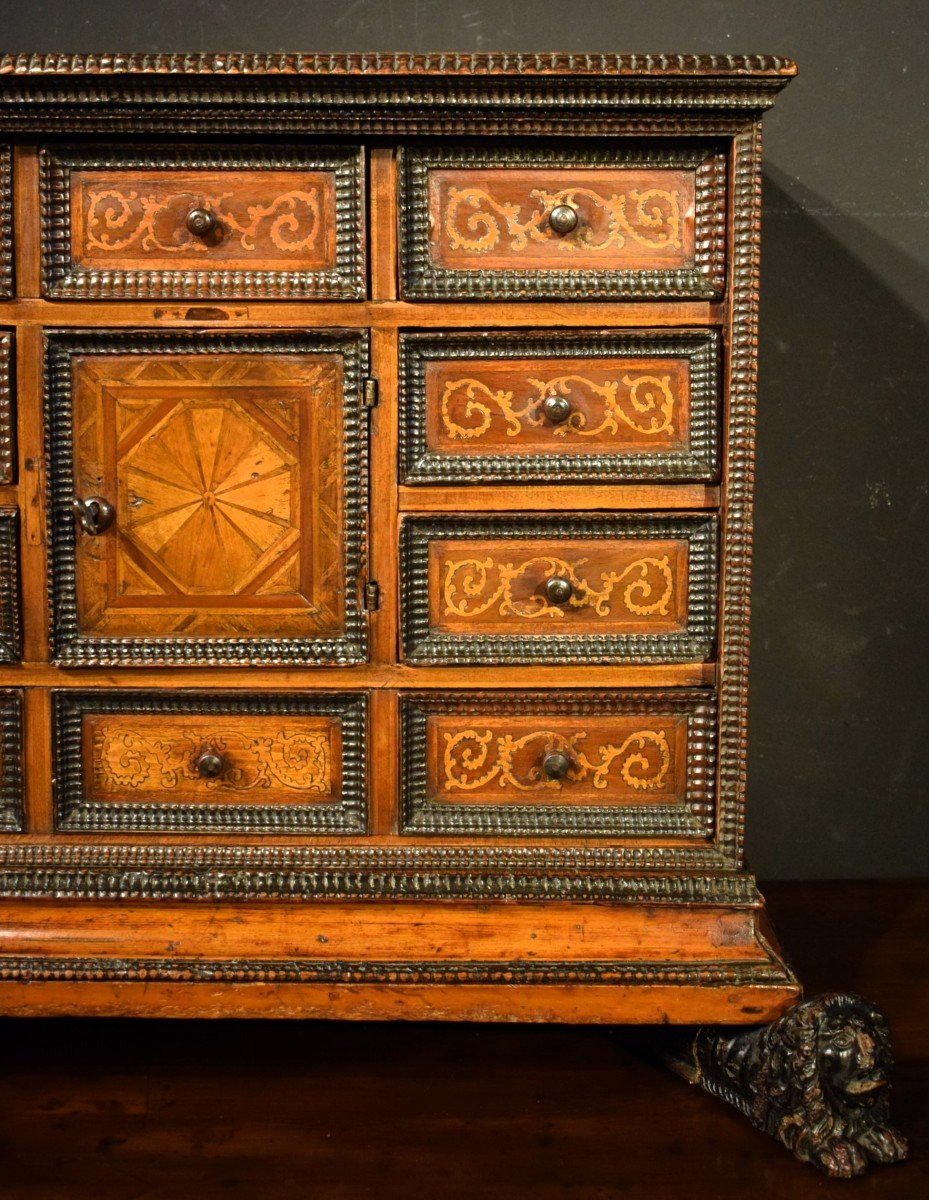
x,y
94,514
556,764
558,590
563,219
201,222
556,409
209,764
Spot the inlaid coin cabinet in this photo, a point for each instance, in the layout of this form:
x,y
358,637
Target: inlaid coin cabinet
x,y
376,463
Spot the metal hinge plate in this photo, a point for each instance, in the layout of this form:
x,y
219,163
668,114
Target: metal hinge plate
x,y
372,596
370,393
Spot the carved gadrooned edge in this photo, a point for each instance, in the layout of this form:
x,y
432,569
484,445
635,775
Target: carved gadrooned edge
x,y
6,221
71,647
62,278
439,63
11,761
179,970
424,644
700,461
7,412
424,280
10,621
695,818
664,875
739,484
347,814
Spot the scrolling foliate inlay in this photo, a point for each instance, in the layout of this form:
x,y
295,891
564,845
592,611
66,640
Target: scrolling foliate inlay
x,y
473,759
646,406
288,762
114,221
298,761
648,591
476,222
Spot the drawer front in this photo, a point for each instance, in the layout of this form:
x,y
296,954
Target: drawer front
x,y
11,760
7,411
558,589
535,222
166,221
199,761
10,626
234,468
559,763
555,407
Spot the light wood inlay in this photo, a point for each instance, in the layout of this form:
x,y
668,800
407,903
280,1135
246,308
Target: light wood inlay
x,y
628,219
266,219
225,472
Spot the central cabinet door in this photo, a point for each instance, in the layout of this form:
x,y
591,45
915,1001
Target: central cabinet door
x,y
208,498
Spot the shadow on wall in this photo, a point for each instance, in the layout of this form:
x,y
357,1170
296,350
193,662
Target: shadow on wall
x,y
839,743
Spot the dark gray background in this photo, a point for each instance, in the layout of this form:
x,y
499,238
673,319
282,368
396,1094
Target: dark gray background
x,y
839,750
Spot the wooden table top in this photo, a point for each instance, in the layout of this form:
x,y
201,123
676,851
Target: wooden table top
x,y
117,1110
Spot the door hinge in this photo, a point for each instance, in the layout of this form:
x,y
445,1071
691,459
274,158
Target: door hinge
x,y
370,393
372,596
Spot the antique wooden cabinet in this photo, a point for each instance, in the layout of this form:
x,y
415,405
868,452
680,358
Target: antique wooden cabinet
x,y
377,456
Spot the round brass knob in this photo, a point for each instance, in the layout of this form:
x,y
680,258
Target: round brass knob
x,y
563,219
208,764
201,222
94,514
556,409
558,590
556,764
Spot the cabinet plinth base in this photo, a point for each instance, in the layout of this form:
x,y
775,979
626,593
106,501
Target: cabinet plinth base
x,y
596,963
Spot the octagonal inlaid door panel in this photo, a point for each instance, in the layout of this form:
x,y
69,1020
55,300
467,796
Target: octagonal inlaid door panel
x,y
208,497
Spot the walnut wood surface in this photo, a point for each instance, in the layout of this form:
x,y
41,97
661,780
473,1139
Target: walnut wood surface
x,y
265,220
153,759
626,219
167,601
484,586
226,475
616,405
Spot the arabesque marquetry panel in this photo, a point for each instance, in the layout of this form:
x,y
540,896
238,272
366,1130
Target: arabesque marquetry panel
x,y
480,590
278,762
234,467
634,406
475,222
640,764
283,222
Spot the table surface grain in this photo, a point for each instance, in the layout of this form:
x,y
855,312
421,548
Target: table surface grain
x,y
126,1110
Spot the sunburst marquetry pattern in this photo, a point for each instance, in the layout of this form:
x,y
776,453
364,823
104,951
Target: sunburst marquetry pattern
x,y
212,458
234,469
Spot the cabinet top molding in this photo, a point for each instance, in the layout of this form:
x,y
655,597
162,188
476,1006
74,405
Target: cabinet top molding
x,y
499,94
240,63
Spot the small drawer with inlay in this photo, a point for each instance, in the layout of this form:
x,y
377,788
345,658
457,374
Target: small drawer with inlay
x,y
185,762
158,221
559,589
576,764
553,407
627,220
